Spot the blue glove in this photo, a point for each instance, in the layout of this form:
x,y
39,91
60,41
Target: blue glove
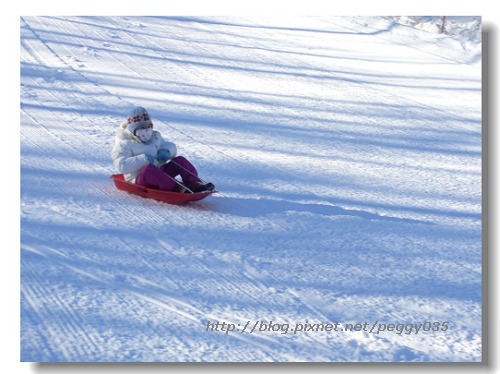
x,y
163,155
151,159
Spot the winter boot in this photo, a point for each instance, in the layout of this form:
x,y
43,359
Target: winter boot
x,y
197,186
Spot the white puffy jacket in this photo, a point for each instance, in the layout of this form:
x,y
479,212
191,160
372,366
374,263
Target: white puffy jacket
x,y
129,153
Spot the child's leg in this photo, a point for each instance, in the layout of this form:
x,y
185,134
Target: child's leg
x,y
181,166
152,176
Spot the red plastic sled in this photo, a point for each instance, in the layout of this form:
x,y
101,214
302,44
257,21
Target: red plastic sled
x,y
168,197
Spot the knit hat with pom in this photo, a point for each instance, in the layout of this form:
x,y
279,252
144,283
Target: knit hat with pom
x,y
138,117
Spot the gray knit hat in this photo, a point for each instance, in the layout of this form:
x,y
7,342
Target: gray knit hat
x,y
138,117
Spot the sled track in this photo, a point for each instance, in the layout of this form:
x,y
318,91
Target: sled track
x,y
70,327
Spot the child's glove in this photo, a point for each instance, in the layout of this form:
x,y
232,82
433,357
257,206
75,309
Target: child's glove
x,y
151,159
163,155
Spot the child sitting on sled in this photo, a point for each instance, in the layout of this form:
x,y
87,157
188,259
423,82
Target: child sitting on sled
x,y
145,158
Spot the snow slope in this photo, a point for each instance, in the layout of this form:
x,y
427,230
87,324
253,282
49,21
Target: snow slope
x,y
348,156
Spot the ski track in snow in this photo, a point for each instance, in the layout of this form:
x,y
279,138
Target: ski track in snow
x,y
348,156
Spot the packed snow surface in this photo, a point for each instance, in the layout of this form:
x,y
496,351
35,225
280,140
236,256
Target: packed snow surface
x,y
347,153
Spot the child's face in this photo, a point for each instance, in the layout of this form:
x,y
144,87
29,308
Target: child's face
x,y
144,132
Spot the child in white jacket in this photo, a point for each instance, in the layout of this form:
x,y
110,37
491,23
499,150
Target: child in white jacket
x,y
145,158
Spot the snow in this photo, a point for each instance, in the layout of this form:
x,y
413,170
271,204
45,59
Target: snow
x,y
347,152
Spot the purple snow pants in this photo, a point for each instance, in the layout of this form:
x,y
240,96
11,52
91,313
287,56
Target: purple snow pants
x,y
162,177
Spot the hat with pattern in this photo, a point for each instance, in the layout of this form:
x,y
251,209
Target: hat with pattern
x,y
138,117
